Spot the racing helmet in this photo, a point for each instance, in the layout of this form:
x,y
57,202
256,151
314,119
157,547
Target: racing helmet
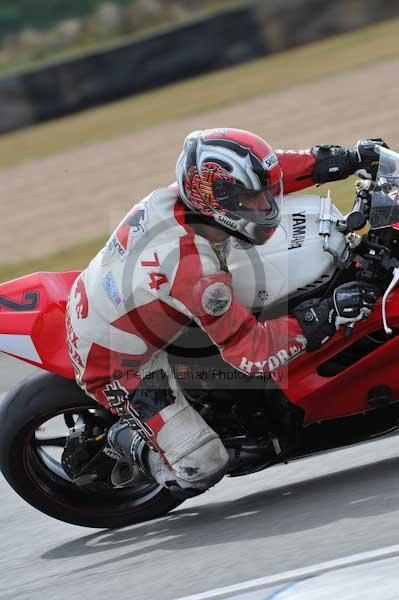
x,y
232,179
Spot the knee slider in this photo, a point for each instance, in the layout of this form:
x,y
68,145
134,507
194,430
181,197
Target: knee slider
x,y
185,434
203,467
193,450
192,474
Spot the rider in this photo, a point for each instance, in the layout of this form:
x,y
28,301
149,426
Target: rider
x,y
165,265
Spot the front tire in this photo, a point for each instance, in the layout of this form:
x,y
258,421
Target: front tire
x,y
42,482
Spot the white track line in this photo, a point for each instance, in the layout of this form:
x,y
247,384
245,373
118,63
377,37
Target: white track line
x,y
297,574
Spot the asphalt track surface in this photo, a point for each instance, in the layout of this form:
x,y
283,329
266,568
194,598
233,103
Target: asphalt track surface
x,y
289,517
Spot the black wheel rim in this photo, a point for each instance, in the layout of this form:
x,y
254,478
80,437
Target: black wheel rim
x,y
42,463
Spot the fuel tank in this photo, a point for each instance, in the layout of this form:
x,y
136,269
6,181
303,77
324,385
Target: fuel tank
x,y
292,262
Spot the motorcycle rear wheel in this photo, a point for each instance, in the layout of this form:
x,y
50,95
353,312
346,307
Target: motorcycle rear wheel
x,y
39,478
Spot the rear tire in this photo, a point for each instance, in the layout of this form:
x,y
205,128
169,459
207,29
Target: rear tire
x,y
22,411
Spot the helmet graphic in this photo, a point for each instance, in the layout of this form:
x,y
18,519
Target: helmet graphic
x,y
233,179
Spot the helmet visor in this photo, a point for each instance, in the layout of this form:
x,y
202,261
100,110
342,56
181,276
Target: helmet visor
x,y
255,206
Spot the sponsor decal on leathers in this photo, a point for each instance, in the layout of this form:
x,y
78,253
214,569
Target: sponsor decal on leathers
x,y
114,246
132,226
82,302
72,342
273,362
216,299
118,397
112,289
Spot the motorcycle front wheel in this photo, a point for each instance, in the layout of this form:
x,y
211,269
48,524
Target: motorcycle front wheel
x,y
35,418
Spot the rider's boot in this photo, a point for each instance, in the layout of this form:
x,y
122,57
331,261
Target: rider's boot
x,y
144,461
129,446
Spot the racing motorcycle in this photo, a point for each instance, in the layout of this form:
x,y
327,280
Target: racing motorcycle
x,y
345,392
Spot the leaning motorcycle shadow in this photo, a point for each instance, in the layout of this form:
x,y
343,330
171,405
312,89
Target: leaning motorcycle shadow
x,y
293,508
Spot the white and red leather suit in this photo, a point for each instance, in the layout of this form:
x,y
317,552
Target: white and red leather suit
x,y
151,279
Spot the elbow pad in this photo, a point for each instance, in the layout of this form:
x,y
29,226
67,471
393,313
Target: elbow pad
x,y
332,163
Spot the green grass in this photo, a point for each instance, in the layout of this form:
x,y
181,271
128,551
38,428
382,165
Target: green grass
x,y
315,61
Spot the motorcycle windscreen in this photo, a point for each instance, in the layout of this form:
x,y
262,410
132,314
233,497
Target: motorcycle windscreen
x,y
384,210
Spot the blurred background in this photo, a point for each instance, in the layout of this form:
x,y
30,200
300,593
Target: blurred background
x,y
47,29
97,96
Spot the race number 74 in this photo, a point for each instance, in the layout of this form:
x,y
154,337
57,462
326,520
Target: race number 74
x,y
157,279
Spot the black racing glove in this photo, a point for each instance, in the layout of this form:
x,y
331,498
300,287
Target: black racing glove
x,y
365,159
331,163
335,162
320,319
